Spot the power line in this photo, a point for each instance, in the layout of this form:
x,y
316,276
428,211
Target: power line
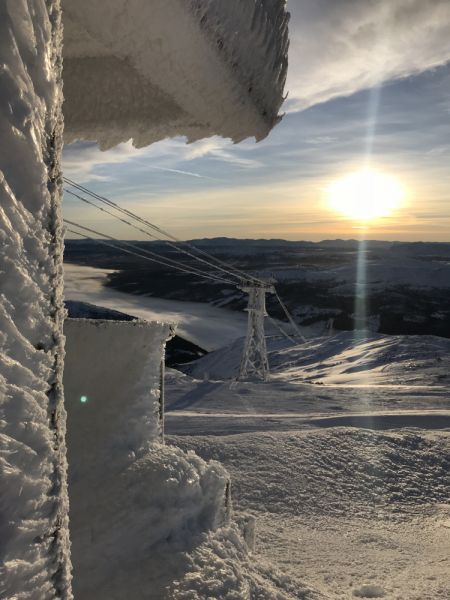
x,y
143,231
135,253
283,332
165,233
175,265
294,325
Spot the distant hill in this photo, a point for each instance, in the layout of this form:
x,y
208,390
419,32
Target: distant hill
x,y
403,248
423,249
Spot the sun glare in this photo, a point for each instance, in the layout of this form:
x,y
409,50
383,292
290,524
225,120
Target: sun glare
x,y
365,195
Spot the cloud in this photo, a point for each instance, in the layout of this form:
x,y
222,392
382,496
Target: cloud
x,y
339,47
321,139
82,160
218,148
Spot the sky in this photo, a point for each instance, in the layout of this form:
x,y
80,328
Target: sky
x,y
369,90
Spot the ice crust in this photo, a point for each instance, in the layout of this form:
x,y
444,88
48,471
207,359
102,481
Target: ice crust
x,y
148,70
34,541
117,367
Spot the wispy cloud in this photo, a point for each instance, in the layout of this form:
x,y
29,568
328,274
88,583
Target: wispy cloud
x,y
83,160
339,47
321,139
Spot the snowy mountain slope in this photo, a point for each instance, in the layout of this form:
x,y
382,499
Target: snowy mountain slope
x,y
345,358
343,456
278,397
348,479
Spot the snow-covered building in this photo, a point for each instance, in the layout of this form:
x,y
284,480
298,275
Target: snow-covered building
x,y
141,69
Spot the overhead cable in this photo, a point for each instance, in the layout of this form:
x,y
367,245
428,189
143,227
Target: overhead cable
x,y
165,233
293,323
283,332
143,231
174,264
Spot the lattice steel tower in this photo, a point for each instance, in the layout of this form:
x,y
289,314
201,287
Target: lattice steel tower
x,y
254,362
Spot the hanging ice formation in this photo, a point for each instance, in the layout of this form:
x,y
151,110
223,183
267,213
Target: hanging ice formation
x,y
148,70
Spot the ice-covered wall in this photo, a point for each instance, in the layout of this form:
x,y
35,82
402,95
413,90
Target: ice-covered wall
x,y
34,544
113,389
148,70
129,494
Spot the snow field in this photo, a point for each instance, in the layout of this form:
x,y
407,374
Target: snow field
x,y
357,512
353,512
335,472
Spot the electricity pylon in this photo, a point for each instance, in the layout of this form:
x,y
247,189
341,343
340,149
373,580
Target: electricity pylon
x,y
254,362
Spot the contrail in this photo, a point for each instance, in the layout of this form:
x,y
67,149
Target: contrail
x,y
185,173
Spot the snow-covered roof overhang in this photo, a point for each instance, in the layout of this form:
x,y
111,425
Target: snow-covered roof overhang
x,y
151,69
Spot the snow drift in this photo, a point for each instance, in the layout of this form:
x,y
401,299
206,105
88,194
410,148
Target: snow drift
x,y
148,70
339,471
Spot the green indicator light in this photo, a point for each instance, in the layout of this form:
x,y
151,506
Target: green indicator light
x,y
83,398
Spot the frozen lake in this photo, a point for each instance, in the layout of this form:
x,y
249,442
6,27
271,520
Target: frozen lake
x,y
208,326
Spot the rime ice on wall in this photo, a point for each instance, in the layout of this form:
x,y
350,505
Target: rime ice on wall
x,y
128,493
112,389
148,70
34,542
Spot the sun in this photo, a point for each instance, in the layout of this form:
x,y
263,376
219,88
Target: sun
x,y
365,195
